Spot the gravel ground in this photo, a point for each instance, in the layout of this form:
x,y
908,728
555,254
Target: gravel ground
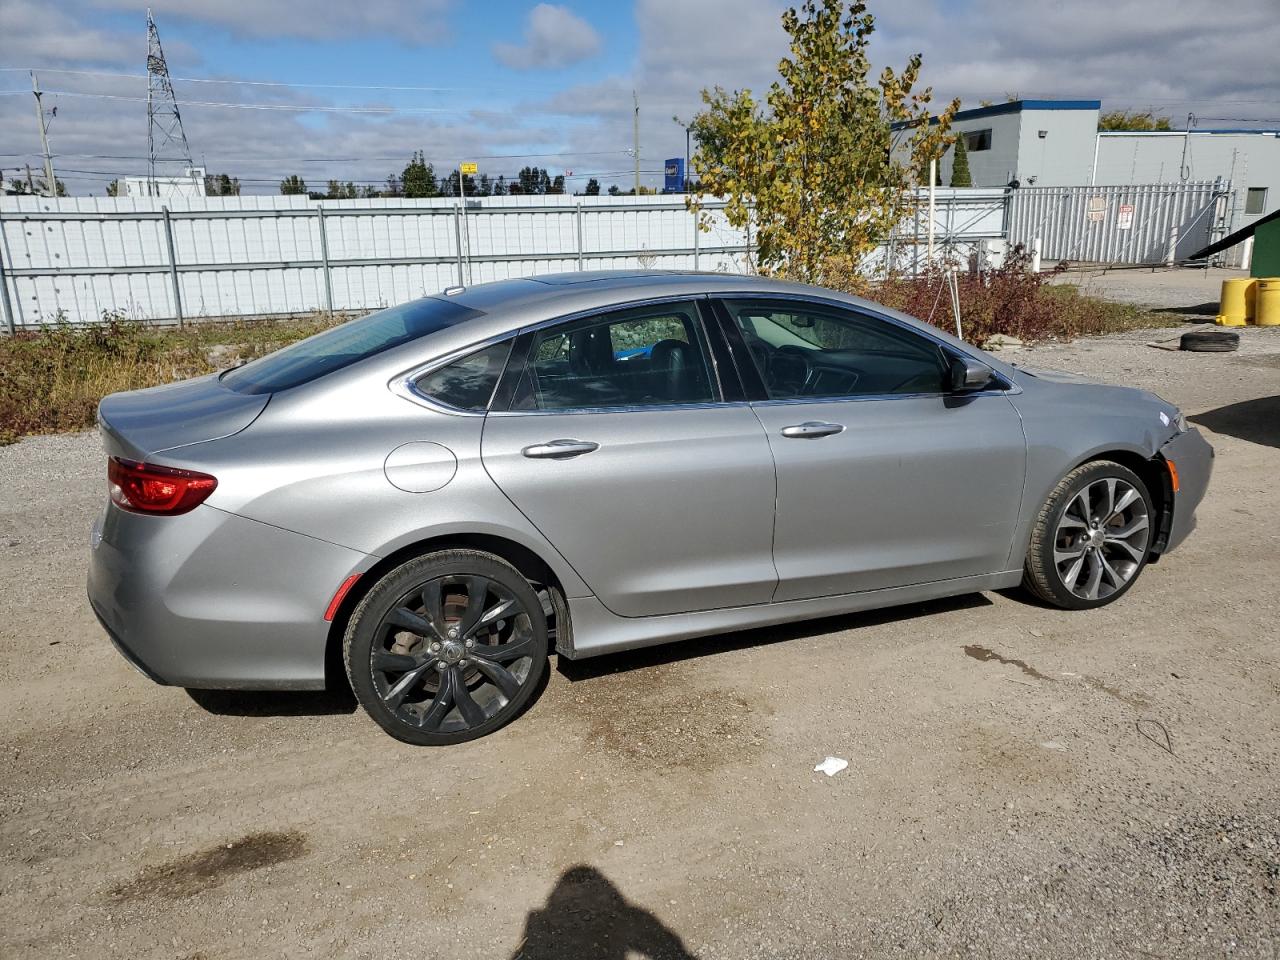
x,y
1023,782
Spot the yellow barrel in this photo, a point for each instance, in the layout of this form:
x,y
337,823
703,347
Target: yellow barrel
x,y
1267,310
1236,307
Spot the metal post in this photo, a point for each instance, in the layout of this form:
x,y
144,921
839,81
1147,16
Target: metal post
x,y
324,259
457,235
4,292
933,177
577,210
1172,256
173,266
696,242
466,226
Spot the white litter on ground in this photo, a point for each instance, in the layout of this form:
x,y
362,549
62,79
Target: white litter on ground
x,y
831,766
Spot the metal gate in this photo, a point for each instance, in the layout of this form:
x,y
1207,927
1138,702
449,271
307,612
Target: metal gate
x,y
1140,224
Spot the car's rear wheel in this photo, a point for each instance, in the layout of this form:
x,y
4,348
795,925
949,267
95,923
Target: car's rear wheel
x,y
447,647
1091,538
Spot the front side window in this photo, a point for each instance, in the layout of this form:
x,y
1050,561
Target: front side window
x,y
468,383
804,350
645,356
344,345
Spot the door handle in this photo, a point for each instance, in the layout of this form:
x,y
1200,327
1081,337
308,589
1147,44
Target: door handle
x,y
559,449
811,430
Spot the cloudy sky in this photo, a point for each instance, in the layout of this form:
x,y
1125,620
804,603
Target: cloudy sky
x,y
349,91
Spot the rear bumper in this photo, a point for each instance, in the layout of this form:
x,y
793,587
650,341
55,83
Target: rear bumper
x,y
210,599
1192,456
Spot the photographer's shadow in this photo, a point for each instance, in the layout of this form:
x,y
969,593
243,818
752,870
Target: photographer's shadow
x,y
587,918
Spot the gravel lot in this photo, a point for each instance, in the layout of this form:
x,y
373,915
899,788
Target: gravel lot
x,y
1022,781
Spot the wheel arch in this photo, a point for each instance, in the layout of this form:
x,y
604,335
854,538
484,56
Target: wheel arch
x,y
526,560
1155,475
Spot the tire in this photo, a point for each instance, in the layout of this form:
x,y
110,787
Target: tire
x,y
1210,341
1079,558
447,647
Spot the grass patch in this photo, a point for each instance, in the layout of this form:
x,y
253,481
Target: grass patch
x,y
52,379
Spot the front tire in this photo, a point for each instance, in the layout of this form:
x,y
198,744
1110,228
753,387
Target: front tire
x,y
447,647
1091,538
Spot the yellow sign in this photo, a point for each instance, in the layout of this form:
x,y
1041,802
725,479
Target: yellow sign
x,y
468,168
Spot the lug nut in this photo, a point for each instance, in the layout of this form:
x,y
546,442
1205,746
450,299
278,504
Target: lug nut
x,y
471,643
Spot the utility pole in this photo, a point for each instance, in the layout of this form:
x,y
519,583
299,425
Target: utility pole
x,y
635,137
51,185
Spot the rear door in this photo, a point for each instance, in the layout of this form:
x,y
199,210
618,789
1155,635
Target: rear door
x,y
612,434
884,479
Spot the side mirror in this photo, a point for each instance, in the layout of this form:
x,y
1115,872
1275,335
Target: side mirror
x,y
968,375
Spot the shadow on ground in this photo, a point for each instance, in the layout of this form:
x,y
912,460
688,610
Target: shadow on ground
x,y
1196,312
275,703
681,650
1257,421
587,916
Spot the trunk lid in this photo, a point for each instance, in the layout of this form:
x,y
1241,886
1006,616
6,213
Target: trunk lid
x,y
141,423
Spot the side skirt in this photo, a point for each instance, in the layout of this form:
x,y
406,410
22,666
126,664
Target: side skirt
x,y
597,631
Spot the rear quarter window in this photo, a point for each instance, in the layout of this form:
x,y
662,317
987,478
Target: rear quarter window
x,y
344,345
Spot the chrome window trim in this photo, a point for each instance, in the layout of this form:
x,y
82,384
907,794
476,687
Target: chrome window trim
x,y
690,298
1010,388
405,385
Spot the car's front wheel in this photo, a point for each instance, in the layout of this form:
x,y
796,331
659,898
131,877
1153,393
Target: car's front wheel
x,y
447,647
1091,538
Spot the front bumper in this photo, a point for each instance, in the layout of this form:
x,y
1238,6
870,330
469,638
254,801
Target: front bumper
x,y
1192,456
211,599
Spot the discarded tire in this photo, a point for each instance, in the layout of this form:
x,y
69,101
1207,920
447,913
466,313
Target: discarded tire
x,y
1211,341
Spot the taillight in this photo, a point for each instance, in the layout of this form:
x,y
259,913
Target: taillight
x,y
146,488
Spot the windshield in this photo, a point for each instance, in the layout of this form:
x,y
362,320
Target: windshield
x,y
344,345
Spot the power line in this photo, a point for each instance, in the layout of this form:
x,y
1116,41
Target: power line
x,y
396,159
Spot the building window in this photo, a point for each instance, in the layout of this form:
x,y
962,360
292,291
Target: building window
x,y
1255,200
978,140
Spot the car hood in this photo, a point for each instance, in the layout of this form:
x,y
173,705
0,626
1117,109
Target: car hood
x,y
1058,376
141,423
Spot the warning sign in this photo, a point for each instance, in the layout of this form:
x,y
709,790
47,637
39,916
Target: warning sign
x,y
1097,210
1124,217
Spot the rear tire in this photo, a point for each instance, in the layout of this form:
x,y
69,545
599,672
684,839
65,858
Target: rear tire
x,y
447,647
1091,538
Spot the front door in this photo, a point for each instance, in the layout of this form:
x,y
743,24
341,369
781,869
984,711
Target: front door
x,y
616,445
884,479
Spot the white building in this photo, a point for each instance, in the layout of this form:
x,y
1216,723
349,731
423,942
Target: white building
x,y
190,184
1052,143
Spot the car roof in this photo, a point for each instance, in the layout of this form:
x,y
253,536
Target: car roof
x,y
569,292
505,306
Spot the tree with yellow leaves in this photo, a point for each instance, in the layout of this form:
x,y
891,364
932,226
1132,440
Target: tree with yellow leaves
x,y
830,161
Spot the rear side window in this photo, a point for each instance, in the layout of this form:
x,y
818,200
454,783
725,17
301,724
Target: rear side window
x,y
646,356
467,384
342,346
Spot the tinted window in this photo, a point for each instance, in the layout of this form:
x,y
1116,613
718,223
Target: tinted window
x,y
342,346
640,357
976,140
467,384
809,351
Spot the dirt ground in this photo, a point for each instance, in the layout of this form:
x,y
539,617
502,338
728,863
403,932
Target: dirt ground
x,y
1022,782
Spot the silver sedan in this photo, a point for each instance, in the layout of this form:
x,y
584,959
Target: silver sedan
x,y
437,494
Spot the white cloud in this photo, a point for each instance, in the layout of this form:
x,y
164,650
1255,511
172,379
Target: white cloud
x,y
409,21
554,36
38,34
